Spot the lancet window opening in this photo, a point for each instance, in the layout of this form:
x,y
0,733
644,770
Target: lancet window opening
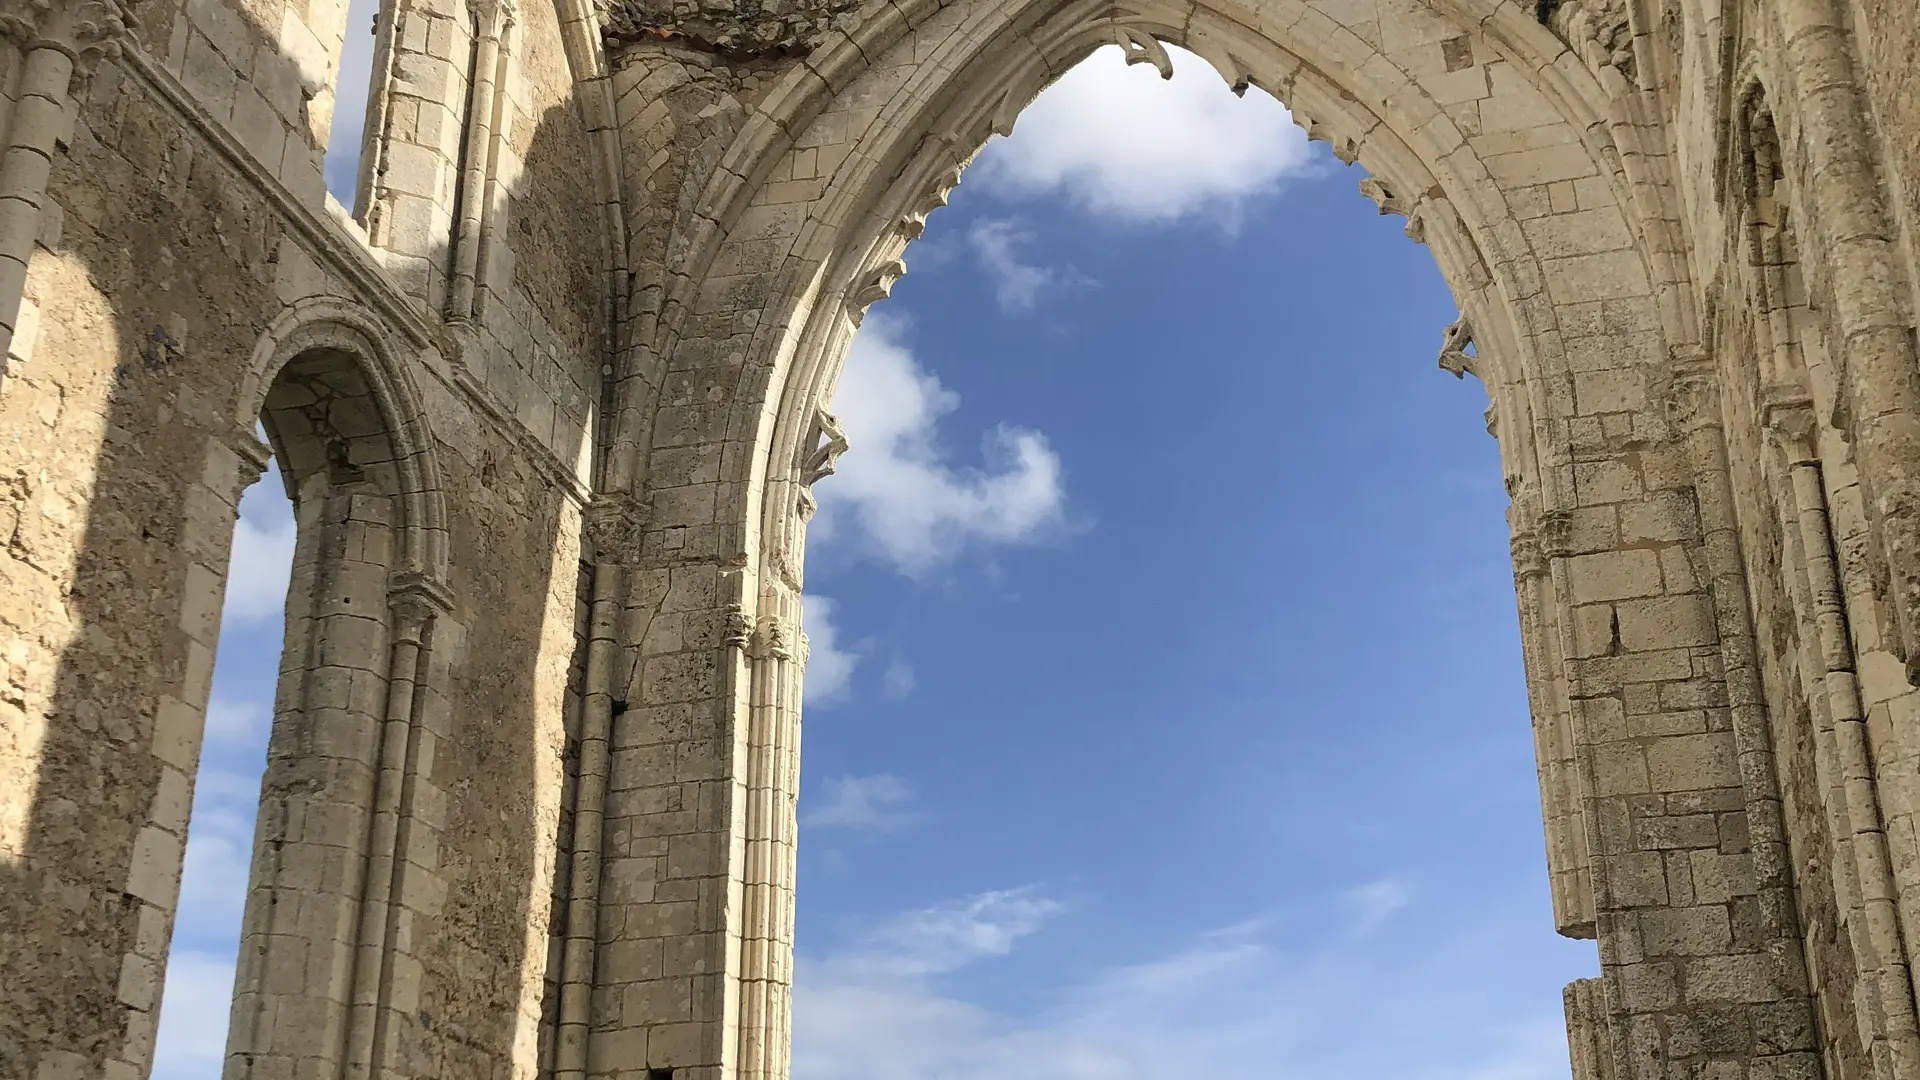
x,y
340,851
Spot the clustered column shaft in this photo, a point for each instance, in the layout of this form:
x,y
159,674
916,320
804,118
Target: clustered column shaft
x,y
773,789
589,817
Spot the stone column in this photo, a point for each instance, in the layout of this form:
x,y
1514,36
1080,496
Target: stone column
x,y
1879,941
1561,799
1589,1045
1871,293
416,602
773,791
1694,407
613,524
59,41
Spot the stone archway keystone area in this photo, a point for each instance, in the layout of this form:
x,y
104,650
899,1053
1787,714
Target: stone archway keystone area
x,y
550,403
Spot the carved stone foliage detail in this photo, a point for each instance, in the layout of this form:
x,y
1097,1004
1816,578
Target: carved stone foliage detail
x,y
1598,31
614,525
1555,534
1389,198
876,285
737,29
1143,48
1692,396
1345,147
1454,342
1529,561
86,30
829,442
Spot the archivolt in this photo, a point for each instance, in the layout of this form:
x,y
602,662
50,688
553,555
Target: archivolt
x,y
321,324
987,61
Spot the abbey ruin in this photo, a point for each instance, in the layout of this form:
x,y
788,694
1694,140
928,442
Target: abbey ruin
x,y
548,401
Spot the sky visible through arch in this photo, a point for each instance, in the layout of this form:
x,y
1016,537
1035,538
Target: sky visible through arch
x,y
1164,715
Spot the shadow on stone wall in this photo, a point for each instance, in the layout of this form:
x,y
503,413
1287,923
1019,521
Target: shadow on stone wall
x,y
155,293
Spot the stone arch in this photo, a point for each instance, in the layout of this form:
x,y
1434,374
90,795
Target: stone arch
x,y
1551,215
368,354
340,851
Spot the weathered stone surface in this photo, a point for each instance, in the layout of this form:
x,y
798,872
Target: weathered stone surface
x,y
549,407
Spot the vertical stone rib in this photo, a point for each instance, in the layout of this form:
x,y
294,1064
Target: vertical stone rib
x,y
1589,1049
383,828
574,1029
1695,407
413,609
490,56
767,885
1873,869
1568,873
1871,300
24,168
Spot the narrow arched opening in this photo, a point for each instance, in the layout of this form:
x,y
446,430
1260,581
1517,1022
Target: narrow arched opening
x,y
306,854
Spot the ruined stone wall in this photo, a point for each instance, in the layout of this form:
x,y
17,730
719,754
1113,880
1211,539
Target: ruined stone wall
x,y
186,251
550,406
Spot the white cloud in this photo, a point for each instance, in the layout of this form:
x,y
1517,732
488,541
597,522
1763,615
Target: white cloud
x,y
897,493
945,938
862,802
899,680
1232,1005
1375,901
262,555
1122,142
1017,285
193,1015
341,166
234,721
829,667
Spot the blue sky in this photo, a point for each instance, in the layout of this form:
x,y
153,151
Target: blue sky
x,y
1165,710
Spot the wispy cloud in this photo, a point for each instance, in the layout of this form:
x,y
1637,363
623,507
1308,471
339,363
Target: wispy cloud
x,y
899,680
938,940
897,495
1376,901
1123,143
1018,285
262,555
213,892
877,802
1236,1004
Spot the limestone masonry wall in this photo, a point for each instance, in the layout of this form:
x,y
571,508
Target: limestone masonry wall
x,y
548,398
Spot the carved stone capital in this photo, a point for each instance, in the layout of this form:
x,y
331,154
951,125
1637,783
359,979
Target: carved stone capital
x,y
615,524
1692,397
738,631
774,639
1555,534
253,455
85,30
1787,413
416,600
1529,561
